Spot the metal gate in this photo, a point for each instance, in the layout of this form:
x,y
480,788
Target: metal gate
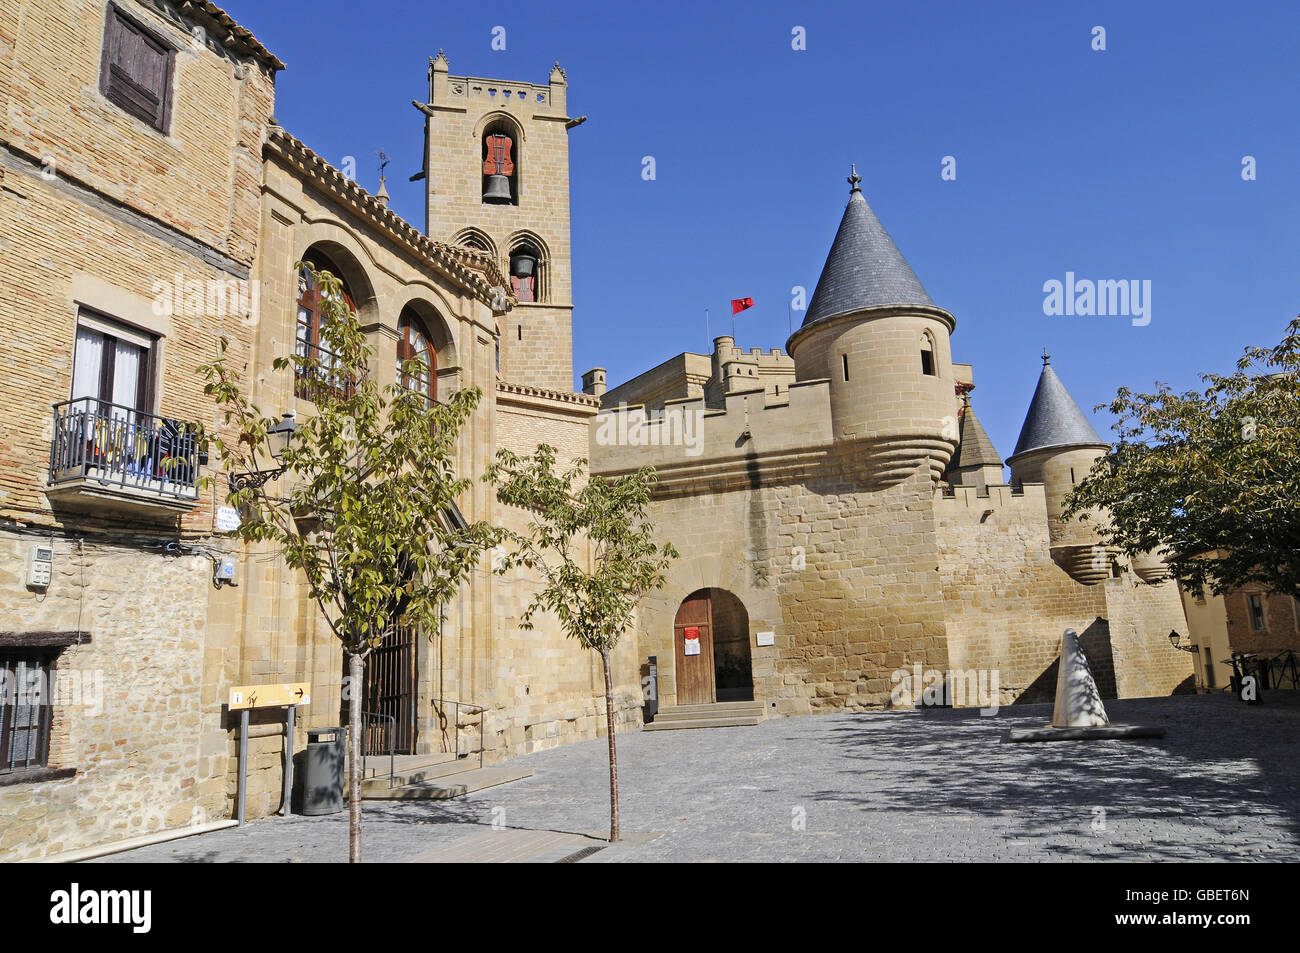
x,y
389,705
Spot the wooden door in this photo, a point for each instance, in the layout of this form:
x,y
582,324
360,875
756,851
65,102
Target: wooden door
x,y
693,632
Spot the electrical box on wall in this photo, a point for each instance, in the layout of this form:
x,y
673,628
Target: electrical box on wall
x,y
224,571
40,566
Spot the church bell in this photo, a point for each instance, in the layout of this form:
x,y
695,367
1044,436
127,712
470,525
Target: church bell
x,y
522,265
498,190
498,167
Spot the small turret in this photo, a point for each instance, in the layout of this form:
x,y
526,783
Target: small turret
x,y
593,382
976,462
872,330
1057,448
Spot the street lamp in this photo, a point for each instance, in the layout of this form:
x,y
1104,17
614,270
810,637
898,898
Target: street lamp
x,y
279,435
1175,640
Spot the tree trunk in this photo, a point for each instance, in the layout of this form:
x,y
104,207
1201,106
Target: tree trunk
x,y
613,753
355,671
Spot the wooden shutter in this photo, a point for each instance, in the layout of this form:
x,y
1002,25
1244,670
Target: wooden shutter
x,y
136,72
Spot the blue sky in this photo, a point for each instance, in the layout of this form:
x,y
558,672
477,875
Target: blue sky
x,y
1122,164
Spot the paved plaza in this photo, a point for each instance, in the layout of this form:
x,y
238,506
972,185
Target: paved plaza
x,y
939,785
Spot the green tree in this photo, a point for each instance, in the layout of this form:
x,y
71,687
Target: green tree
x,y
594,545
369,483
1209,478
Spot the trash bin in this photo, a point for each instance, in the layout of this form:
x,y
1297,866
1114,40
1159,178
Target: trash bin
x,y
322,776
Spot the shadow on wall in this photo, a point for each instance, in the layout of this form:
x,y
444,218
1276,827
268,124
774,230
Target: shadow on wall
x,y
1095,642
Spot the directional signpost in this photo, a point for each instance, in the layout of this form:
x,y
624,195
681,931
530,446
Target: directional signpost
x,y
286,695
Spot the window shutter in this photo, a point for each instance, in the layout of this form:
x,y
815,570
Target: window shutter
x,y
137,71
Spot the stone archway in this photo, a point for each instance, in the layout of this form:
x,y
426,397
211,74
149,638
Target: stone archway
x,y
711,649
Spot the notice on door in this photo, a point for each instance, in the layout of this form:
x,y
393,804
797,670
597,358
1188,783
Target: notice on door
x,y
691,641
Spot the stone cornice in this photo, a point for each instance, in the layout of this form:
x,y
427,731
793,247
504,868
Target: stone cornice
x,y
474,270
540,396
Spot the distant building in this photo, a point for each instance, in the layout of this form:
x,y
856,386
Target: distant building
x,y
1248,620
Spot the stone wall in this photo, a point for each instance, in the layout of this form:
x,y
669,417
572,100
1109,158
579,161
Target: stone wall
x,y
550,690
136,717
199,177
1007,604
1281,628
844,577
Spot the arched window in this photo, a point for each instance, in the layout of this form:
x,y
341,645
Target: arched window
x,y
929,364
526,266
308,343
500,164
475,238
417,360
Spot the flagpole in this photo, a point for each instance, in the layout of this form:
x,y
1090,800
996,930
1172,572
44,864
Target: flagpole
x,y
709,346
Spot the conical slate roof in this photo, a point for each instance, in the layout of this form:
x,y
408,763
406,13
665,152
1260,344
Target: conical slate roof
x,y
1054,419
975,448
865,269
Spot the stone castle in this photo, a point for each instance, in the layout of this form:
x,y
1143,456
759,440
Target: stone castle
x,y
840,512
842,498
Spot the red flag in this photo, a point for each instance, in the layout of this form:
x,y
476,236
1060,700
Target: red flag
x,y
740,304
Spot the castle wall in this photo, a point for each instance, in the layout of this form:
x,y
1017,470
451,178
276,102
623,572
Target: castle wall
x,y
843,578
1007,603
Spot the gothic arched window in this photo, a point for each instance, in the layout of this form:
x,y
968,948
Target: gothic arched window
x,y
308,343
929,365
526,264
417,360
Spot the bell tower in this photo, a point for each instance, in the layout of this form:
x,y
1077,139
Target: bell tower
x,y
496,168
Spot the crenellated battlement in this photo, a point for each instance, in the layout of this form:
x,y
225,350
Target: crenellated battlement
x,y
753,423
1028,501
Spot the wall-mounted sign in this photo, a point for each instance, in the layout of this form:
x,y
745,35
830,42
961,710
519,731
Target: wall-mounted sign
x,y
227,519
766,638
691,641
270,696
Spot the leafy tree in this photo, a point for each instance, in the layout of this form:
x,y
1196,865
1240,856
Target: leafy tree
x,y
594,545
369,481
1209,478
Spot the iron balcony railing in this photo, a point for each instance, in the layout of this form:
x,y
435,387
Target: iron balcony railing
x,y
322,371
121,446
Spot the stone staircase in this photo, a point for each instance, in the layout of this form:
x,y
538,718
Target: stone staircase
x,y
434,777
718,715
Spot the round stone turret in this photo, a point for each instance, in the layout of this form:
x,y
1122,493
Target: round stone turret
x,y
1057,448
872,330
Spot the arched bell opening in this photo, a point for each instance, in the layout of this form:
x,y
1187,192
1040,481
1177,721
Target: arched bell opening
x,y
501,167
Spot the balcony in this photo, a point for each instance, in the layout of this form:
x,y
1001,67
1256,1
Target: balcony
x,y
110,458
322,373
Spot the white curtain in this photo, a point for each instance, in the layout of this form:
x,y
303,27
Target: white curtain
x,y
87,362
126,375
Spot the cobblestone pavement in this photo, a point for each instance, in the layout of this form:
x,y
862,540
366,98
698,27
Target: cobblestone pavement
x,y
940,785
